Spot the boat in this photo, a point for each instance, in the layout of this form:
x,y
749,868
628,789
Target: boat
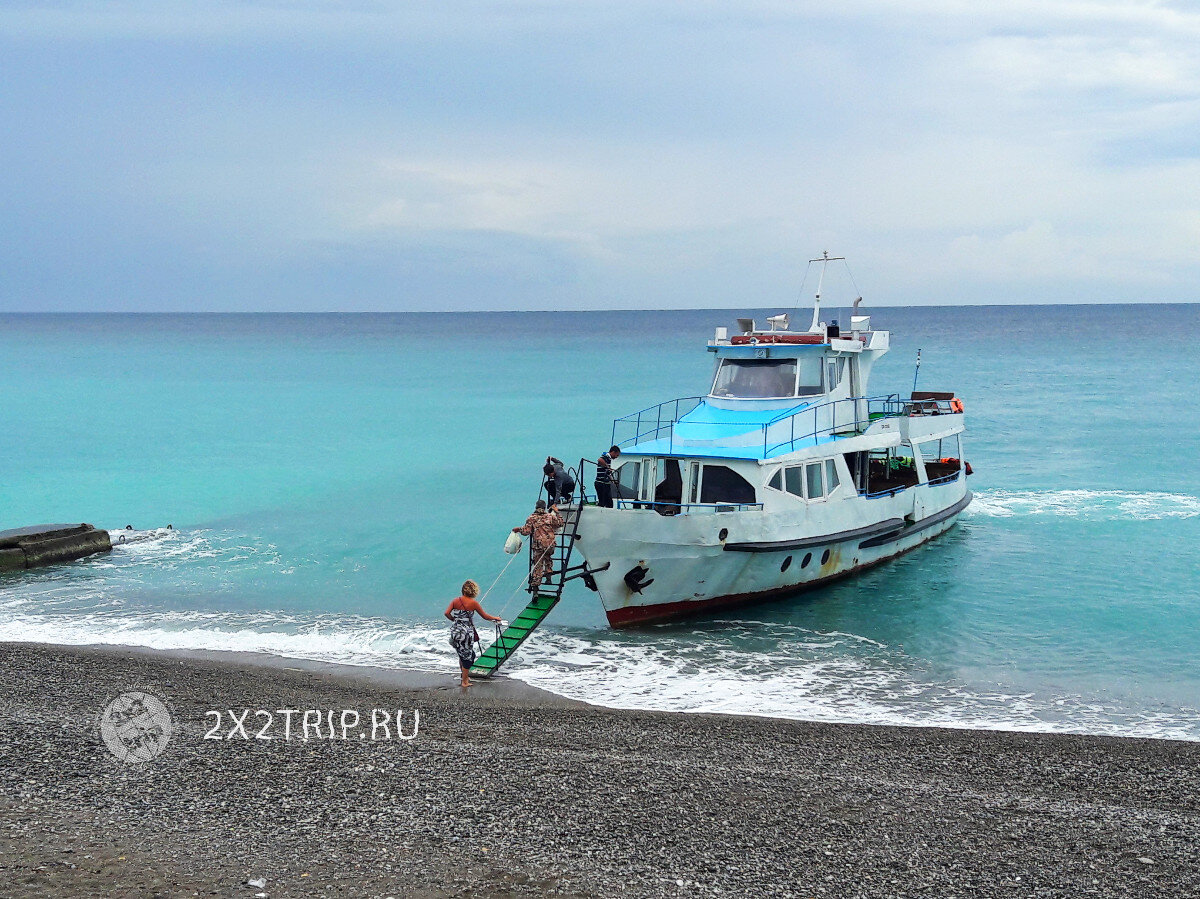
x,y
786,475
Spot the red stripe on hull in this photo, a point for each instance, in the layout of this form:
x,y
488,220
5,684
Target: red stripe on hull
x,y
672,611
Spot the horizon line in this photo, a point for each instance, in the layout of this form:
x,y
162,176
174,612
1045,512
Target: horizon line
x,y
607,311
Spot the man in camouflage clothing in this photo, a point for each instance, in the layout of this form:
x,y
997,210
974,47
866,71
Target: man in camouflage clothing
x,y
541,527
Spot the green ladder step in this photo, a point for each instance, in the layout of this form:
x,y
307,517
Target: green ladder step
x,y
513,636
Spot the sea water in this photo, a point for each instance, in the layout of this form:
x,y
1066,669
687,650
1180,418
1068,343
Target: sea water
x,y
330,481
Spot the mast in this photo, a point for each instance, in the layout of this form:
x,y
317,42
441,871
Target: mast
x,y
825,259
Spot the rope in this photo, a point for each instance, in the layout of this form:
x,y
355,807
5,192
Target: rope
x,y
520,586
511,596
524,580
514,558
548,551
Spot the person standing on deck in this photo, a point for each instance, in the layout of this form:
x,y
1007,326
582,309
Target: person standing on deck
x,y
462,626
604,473
542,528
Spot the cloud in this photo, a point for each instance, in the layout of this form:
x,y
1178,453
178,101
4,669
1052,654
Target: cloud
x,y
375,155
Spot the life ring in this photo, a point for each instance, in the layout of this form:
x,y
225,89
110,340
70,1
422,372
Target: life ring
x,y
956,405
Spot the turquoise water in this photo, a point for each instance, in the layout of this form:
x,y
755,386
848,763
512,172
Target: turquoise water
x,y
332,479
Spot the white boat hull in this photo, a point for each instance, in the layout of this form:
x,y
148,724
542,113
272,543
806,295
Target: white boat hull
x,y
696,564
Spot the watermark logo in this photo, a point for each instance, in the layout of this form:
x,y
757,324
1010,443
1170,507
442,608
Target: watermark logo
x,y
136,727
311,724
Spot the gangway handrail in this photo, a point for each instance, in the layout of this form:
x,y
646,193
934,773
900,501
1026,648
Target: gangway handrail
x,y
546,594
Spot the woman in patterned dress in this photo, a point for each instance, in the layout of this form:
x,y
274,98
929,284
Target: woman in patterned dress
x,y
462,626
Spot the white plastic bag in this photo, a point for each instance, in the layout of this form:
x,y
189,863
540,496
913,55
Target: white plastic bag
x,y
513,544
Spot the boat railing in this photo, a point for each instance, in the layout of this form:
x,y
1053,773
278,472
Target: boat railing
x,y
946,478
685,508
651,422
781,433
846,416
935,406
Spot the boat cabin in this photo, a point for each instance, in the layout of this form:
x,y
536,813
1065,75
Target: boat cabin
x,y
786,421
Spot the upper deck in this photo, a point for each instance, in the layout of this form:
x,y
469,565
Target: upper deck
x,y
694,426
773,392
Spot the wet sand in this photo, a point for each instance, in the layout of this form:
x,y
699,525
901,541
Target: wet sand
x,y
510,791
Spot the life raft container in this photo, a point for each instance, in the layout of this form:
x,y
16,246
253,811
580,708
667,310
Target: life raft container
x,y
808,339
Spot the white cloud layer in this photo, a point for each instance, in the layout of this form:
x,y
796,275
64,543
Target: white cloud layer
x,y
588,154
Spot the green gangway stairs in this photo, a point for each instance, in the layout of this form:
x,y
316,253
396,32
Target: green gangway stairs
x,y
544,598
514,635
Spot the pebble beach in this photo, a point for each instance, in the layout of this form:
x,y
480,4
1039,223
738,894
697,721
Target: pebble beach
x,y
508,791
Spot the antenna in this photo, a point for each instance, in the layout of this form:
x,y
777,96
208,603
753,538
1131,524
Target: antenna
x,y
824,260
916,371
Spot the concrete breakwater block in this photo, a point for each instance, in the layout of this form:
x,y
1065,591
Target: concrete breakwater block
x,y
48,544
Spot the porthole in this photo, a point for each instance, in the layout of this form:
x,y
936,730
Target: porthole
x,y
824,557
807,559
787,563
723,534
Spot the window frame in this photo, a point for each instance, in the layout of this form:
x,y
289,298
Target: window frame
x,y
799,468
702,470
795,362
820,467
832,469
777,473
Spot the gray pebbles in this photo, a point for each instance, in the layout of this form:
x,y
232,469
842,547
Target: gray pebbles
x,y
507,791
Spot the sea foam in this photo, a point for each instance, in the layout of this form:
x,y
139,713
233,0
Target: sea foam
x,y
811,675
1093,505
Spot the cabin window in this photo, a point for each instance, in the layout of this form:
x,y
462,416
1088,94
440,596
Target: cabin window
x,y
668,488
629,480
805,481
794,479
942,458
776,481
756,378
771,378
813,480
722,484
835,370
831,476
856,463
809,381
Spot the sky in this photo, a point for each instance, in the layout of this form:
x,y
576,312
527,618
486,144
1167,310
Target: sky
x,y
312,156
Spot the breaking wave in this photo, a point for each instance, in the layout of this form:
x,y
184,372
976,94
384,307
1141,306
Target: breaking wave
x,y
808,675
1091,505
